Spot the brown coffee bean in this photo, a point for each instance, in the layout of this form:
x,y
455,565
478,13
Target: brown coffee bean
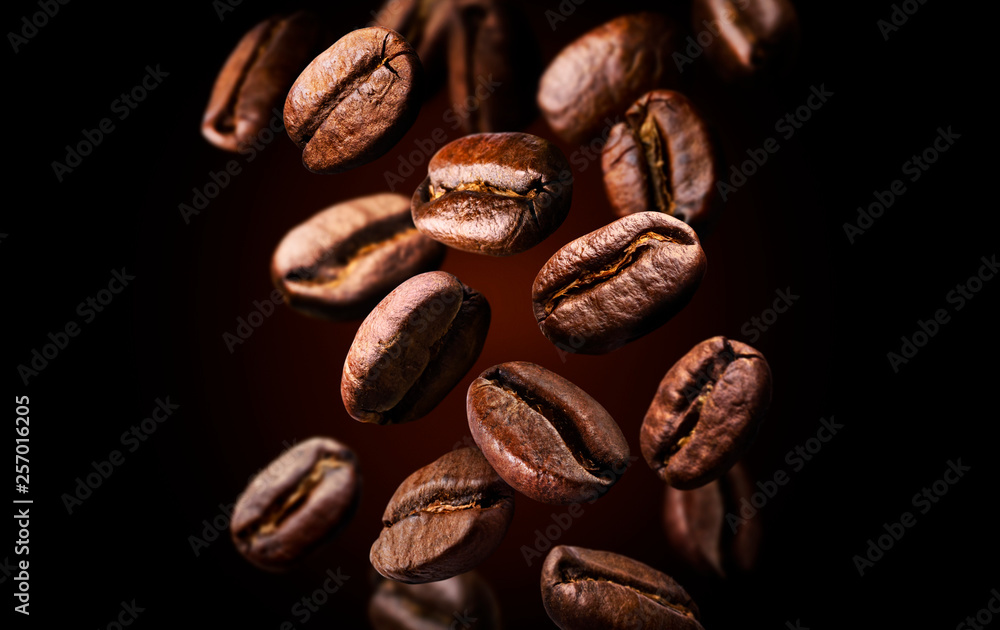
x,y
435,605
256,77
591,83
342,261
355,100
544,435
584,589
443,520
413,348
751,37
497,194
493,67
295,503
705,528
662,160
706,412
617,283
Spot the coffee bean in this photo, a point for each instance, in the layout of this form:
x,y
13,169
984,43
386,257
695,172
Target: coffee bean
x,y
355,100
597,77
497,194
256,77
704,528
617,283
295,503
706,412
343,260
493,67
751,37
662,160
413,348
585,589
544,435
443,520
464,601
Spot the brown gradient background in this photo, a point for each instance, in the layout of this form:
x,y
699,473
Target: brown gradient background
x,y
781,230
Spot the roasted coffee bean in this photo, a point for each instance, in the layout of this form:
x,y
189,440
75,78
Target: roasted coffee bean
x,y
464,601
443,520
341,262
295,503
706,412
617,283
584,589
496,193
662,160
256,77
424,23
751,37
596,78
544,435
493,67
705,528
355,100
413,349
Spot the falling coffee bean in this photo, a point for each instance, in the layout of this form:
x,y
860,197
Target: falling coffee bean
x,y
256,77
706,412
355,100
705,528
751,37
544,435
466,598
584,589
662,160
295,503
342,261
590,84
443,520
493,67
617,283
495,193
413,348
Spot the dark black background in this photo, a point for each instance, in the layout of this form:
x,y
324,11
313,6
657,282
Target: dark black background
x,y
163,335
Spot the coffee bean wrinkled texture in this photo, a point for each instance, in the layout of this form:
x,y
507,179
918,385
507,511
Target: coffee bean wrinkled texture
x,y
545,436
497,194
587,589
662,159
443,520
706,412
355,100
617,283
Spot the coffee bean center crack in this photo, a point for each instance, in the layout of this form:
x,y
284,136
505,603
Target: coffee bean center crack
x,y
271,520
658,164
354,83
656,597
334,271
711,373
629,257
559,421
